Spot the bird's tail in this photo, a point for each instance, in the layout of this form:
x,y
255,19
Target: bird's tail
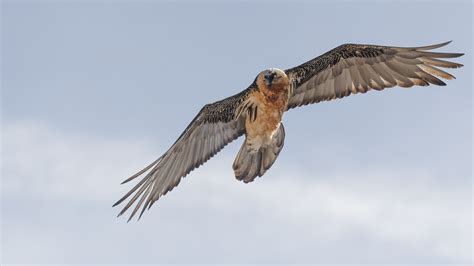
x,y
249,164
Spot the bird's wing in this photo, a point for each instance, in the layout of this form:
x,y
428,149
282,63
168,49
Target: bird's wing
x,y
354,68
215,126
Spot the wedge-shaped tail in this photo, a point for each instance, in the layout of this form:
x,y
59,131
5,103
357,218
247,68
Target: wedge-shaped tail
x,y
249,164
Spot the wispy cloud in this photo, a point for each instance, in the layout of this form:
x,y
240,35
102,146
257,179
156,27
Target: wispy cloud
x,y
58,188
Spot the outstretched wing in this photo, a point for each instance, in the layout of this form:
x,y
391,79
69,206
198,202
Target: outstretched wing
x,y
215,126
354,68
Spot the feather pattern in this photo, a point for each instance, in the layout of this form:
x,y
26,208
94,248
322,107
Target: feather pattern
x,y
345,70
215,126
354,68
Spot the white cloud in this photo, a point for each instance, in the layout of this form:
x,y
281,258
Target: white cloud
x,y
44,162
289,210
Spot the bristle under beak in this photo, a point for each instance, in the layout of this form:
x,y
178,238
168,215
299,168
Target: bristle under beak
x,y
269,79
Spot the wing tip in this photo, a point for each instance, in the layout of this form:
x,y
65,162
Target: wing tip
x,y
433,46
119,201
129,179
121,212
454,55
440,82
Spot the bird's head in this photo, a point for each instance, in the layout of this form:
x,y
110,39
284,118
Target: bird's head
x,y
272,79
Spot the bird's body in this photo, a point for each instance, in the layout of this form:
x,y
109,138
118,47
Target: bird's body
x,y
257,111
268,105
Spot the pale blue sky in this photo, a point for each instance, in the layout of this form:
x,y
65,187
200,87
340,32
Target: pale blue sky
x,y
93,91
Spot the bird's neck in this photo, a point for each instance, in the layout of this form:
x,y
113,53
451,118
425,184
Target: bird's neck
x,y
276,95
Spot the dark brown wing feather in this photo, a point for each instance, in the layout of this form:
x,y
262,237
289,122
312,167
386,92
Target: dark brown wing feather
x,y
215,126
354,68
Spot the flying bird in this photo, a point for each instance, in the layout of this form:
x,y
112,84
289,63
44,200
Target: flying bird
x,y
257,111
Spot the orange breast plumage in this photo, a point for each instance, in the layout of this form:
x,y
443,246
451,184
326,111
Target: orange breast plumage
x,y
266,115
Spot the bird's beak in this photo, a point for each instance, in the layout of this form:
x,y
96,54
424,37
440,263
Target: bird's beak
x,y
269,80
